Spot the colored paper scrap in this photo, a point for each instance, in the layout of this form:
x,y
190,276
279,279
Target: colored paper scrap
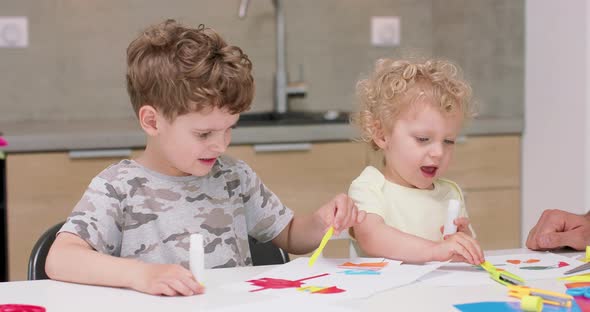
x,y
582,278
323,243
505,306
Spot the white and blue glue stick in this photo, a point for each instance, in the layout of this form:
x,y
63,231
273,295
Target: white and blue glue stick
x,y
197,257
452,214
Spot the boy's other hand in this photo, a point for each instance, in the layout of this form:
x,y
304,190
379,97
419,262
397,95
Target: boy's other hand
x,y
341,213
166,280
459,247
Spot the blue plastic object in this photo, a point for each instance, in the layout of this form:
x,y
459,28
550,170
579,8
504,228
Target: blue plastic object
x,y
579,291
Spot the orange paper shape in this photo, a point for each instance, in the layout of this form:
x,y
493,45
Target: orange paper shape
x,y
374,266
532,261
513,261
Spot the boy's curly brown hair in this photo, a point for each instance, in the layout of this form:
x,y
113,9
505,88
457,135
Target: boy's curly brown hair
x,y
395,85
178,69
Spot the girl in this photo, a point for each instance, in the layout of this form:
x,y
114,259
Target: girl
x,y
412,112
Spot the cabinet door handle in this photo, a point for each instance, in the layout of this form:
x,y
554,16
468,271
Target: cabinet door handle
x,y
99,153
288,147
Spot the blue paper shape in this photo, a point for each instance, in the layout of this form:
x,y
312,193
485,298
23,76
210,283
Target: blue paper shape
x,y
505,306
360,272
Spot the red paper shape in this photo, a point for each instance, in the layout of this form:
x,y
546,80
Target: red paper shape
x,y
562,264
277,283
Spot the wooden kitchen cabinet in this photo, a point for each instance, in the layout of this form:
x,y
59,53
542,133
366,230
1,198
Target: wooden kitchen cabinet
x,y
495,215
305,180
42,189
487,168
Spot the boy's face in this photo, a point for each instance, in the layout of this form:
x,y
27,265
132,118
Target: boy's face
x,y
192,142
420,146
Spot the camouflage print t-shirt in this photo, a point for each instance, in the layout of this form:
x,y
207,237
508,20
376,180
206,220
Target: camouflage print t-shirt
x,y
130,211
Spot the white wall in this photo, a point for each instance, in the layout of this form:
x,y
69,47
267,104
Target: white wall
x,y
556,139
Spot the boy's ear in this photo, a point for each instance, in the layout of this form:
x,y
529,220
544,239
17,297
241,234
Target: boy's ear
x,y
148,119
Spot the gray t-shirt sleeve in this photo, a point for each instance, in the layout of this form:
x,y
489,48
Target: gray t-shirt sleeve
x,y
98,216
266,216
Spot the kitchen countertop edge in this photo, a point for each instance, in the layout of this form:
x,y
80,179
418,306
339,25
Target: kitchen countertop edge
x,y
50,136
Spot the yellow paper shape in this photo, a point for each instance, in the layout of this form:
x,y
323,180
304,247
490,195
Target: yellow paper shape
x,y
323,243
577,278
311,289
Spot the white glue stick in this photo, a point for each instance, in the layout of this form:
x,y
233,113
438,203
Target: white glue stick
x,y
452,214
197,257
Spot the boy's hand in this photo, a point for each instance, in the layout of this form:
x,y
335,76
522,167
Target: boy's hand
x,y
166,280
458,247
462,224
341,213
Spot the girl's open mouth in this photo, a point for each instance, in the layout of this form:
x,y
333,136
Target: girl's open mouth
x,y
429,171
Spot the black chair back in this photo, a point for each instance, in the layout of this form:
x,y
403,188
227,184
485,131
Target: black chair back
x,y
262,253
266,253
39,254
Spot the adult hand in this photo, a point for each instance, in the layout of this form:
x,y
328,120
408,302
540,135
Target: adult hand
x,y
558,228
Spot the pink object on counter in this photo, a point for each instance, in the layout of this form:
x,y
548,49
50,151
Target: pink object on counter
x,y
21,308
3,142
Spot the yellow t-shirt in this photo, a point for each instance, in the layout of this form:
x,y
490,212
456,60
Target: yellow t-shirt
x,y
414,211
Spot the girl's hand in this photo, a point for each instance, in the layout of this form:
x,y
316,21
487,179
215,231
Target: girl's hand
x,y
462,224
341,213
458,247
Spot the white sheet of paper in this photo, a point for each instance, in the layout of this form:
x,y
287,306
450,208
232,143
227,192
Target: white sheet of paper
x,y
285,305
462,274
356,286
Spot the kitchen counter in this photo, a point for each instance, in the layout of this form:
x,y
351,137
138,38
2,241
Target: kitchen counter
x,y
43,136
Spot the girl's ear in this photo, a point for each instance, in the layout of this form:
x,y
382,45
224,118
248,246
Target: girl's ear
x,y
379,135
148,119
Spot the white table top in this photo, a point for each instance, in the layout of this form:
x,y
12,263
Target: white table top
x,y
64,297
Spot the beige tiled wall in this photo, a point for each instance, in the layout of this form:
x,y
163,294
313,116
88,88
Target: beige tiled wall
x,y
74,66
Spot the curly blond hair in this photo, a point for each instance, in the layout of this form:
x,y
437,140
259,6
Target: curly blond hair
x,y
395,85
178,69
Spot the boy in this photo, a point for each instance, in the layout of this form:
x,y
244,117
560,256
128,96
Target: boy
x,y
132,226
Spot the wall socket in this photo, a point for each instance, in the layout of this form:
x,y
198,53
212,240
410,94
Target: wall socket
x,y
14,32
385,31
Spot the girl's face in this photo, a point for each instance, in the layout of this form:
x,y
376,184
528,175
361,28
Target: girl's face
x,y
420,146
